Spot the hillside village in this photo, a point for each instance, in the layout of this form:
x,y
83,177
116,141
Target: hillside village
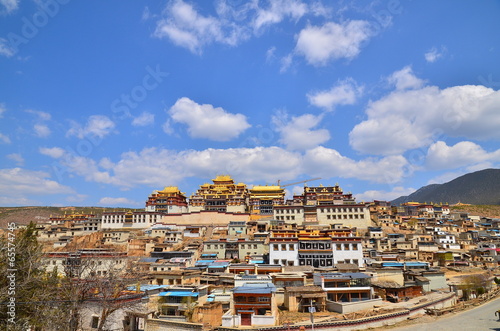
x,y
231,257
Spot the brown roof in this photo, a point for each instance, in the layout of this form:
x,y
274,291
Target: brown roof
x,y
304,289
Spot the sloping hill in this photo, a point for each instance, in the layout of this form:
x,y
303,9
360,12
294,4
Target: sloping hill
x,y
25,215
477,188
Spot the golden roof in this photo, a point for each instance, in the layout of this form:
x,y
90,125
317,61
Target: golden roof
x,y
222,178
266,188
170,189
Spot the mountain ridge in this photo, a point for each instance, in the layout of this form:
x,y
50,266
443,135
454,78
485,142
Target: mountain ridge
x,y
478,188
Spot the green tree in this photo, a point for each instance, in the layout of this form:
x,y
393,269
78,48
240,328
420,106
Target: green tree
x,y
28,294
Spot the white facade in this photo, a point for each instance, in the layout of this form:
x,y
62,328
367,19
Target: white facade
x,y
284,252
347,215
289,214
140,220
351,252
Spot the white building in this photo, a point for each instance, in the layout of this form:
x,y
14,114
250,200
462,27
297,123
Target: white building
x,y
134,220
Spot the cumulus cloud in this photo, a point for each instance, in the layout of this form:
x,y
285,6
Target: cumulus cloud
x,y
465,153
41,130
187,28
285,63
97,125
298,133
345,92
332,41
395,193
167,127
326,162
8,6
16,157
413,118
151,166
4,138
54,152
277,11
434,54
405,79
144,119
20,184
41,115
6,48
117,202
446,177
155,166
207,121
2,109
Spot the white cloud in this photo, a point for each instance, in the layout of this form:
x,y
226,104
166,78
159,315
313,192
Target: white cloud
x,y
8,6
97,125
42,116
297,133
441,156
5,139
6,48
405,79
76,198
395,193
205,121
16,157
85,167
146,14
167,127
414,118
286,62
2,109
144,119
327,163
54,152
434,54
345,92
117,202
277,11
185,27
41,130
21,183
332,41
233,23
270,54
446,177
152,167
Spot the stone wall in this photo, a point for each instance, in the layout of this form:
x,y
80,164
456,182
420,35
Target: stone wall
x,y
164,325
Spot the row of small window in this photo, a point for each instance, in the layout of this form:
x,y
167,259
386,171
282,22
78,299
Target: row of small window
x,y
276,247
221,246
341,210
338,247
251,299
283,218
346,247
284,262
54,262
289,211
161,269
122,220
345,216
321,210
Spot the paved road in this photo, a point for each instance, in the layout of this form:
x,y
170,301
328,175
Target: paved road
x,y
479,318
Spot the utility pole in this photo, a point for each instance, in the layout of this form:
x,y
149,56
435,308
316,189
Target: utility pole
x,y
312,310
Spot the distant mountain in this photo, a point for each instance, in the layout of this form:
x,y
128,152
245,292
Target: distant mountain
x,y
477,188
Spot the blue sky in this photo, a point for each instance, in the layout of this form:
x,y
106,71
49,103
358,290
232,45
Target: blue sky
x,y
102,102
